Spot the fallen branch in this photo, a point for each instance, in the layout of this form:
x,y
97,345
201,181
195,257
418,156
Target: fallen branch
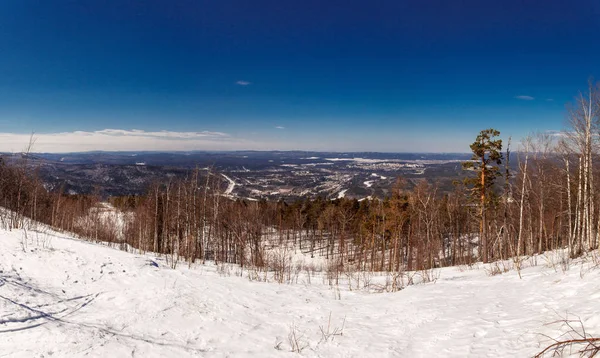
x,y
590,346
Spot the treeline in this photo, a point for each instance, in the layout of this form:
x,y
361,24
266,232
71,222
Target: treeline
x,y
25,196
412,229
549,202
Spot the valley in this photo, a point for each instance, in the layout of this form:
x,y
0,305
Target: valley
x,y
248,174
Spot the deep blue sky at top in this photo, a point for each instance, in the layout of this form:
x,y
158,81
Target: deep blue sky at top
x,y
371,75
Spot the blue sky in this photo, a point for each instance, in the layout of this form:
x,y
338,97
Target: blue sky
x,y
316,75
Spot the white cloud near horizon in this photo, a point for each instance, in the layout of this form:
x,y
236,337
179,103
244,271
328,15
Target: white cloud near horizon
x,y
123,140
525,98
243,83
279,127
141,140
556,133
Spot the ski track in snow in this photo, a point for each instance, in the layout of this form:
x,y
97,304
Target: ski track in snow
x,y
342,194
230,186
62,297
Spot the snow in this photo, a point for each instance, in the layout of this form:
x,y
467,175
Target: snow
x,y
108,216
230,186
342,194
63,297
377,175
360,160
316,164
368,183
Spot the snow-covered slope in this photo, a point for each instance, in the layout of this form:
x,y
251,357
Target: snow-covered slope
x,y
61,297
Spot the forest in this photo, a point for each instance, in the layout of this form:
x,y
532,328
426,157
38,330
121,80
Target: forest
x,y
494,213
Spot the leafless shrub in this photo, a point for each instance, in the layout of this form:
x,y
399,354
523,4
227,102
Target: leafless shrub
x,y
429,275
565,262
3,219
43,239
497,268
366,276
595,255
334,269
224,269
336,292
575,341
493,270
257,274
297,339
352,278
517,263
172,259
298,267
329,333
24,239
463,268
278,345
394,281
280,263
557,259
310,271
589,262
397,281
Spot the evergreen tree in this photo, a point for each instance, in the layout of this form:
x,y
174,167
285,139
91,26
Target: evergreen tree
x,y
487,157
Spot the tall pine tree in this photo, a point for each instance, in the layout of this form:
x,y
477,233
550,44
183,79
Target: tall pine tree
x,y
487,157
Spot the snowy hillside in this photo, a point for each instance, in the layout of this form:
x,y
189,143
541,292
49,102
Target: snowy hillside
x,y
61,297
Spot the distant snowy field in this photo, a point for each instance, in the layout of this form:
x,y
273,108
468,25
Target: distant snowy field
x,y
62,297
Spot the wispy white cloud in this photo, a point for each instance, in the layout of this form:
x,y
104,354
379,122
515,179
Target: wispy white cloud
x,y
140,140
124,140
243,83
279,127
561,134
555,133
159,134
549,100
525,98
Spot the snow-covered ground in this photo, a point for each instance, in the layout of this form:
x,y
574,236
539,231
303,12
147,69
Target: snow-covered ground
x,y
377,175
62,297
230,186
